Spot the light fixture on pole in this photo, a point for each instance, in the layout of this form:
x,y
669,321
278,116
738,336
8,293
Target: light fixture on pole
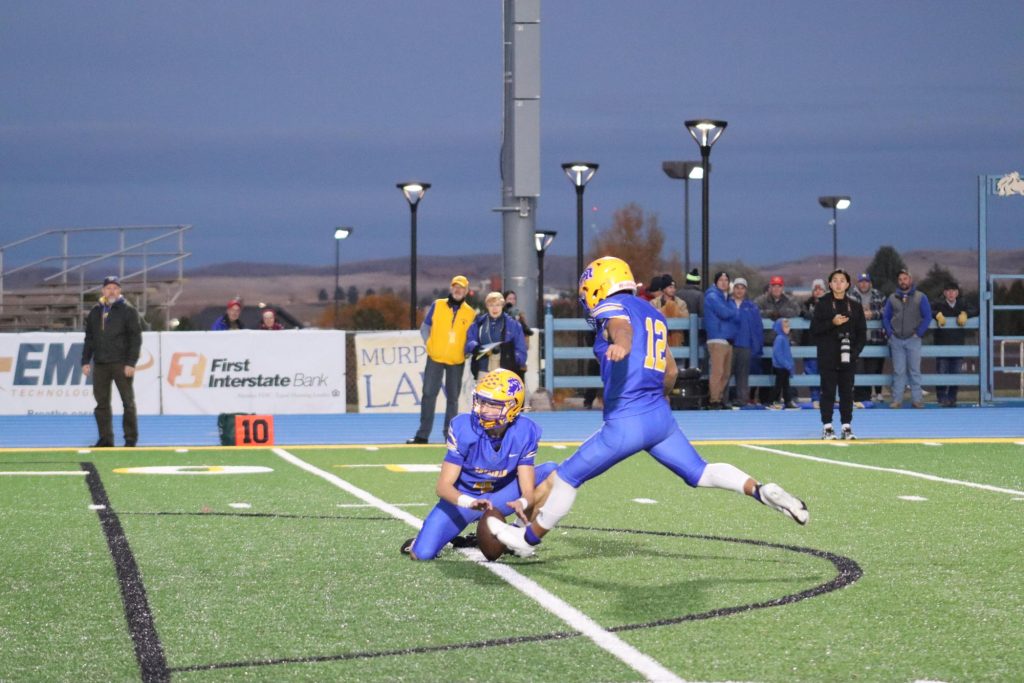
x,y
685,171
340,233
542,239
705,133
835,202
579,173
413,192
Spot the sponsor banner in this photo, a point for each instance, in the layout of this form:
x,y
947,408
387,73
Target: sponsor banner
x,y
41,374
253,371
389,372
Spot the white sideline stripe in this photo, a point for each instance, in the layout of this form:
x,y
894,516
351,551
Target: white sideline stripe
x,y
53,473
909,473
611,643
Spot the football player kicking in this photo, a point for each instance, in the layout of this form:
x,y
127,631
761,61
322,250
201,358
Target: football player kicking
x,y
637,371
489,464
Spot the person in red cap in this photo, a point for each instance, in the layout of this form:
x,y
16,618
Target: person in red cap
x,y
231,319
775,304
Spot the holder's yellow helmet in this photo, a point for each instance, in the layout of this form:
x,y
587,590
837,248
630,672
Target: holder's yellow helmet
x,y
602,278
498,398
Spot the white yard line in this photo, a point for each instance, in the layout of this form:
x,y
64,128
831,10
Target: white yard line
x,y
893,470
643,664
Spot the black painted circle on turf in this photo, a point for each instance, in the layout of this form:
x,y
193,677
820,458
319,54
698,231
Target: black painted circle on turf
x,y
847,572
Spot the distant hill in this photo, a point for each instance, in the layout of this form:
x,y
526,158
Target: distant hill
x,y
297,287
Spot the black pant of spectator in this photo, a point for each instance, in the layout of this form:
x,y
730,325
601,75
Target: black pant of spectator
x,y
765,393
869,366
833,377
947,366
103,375
781,390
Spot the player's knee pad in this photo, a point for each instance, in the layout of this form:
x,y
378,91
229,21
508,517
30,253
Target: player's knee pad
x,y
558,504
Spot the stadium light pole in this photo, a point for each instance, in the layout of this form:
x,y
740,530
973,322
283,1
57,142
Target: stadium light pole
x,y
685,171
835,202
542,239
340,233
413,192
579,174
705,133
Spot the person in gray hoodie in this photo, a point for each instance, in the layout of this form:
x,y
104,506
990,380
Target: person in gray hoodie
x,y
905,317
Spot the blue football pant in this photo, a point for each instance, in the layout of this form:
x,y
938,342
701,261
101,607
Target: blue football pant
x,y
655,432
446,520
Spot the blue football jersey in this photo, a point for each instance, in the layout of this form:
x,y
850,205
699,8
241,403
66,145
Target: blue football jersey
x,y
485,468
636,384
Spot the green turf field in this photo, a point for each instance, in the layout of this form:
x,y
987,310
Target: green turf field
x,y
294,573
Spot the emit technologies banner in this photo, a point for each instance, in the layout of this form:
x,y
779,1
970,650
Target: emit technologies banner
x,y
41,374
182,373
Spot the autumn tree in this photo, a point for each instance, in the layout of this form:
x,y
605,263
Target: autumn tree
x,y
637,239
371,312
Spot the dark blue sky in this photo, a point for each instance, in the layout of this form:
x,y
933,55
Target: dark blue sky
x,y
265,124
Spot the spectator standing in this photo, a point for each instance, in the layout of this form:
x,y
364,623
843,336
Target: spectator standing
x,y
950,311
782,366
906,316
720,323
512,308
268,320
653,290
872,302
230,320
691,293
444,330
495,327
807,338
671,306
113,341
774,304
746,350
839,333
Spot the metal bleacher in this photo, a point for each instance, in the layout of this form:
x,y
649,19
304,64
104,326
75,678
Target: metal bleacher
x,y
49,280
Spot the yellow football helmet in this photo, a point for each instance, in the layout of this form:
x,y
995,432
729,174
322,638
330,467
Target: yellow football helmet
x,y
602,278
498,398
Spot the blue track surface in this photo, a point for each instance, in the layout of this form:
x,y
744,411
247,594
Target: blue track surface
x,y
76,431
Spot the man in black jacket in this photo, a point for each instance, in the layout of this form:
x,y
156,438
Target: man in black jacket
x,y
113,341
951,314
839,332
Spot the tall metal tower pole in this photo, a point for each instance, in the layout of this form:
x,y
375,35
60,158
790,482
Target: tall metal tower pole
x,y
520,148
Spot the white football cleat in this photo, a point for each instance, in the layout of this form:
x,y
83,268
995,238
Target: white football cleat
x,y
512,537
775,497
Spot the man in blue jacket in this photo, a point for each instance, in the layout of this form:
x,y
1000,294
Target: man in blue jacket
x,y
905,318
720,321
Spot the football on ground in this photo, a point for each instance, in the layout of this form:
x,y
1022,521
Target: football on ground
x,y
489,544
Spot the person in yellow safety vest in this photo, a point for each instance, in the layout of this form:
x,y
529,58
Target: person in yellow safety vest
x,y
444,330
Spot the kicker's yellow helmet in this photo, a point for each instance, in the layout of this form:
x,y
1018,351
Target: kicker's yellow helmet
x,y
602,278
498,398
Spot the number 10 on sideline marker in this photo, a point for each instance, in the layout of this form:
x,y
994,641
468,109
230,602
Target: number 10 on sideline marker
x,y
253,430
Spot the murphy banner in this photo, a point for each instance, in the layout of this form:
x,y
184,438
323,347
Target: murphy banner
x,y
253,371
41,374
389,372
